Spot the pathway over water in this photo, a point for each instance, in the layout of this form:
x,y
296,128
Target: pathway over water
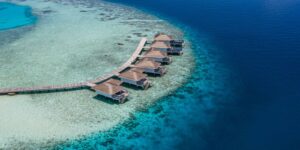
x,y
86,84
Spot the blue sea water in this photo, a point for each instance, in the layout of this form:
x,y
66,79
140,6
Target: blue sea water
x,y
176,120
12,16
260,41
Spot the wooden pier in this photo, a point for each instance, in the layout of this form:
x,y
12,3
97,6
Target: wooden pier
x,y
87,84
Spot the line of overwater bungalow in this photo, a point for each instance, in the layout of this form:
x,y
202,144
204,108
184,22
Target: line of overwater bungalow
x,y
150,62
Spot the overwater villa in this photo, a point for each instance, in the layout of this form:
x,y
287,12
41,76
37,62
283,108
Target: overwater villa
x,y
158,56
150,66
166,47
131,72
161,37
135,77
112,89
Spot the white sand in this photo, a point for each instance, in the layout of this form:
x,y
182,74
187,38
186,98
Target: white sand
x,y
69,45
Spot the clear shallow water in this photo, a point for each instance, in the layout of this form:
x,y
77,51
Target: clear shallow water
x,y
260,41
171,122
12,16
48,118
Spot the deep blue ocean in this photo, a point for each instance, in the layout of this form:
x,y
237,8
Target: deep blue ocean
x,y
259,42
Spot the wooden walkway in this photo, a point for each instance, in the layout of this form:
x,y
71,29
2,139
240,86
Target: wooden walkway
x,y
86,84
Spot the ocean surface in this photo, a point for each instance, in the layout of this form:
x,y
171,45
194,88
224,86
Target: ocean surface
x,y
12,16
260,41
71,49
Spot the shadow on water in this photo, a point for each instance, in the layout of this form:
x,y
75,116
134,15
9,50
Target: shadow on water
x,y
106,100
136,88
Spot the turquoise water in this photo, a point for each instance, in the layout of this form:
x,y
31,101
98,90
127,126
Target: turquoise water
x,y
261,42
173,120
260,39
12,16
58,116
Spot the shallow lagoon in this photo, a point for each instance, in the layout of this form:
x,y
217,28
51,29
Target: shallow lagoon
x,y
12,16
79,41
72,42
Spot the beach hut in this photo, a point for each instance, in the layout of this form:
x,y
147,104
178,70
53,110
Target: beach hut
x,y
166,47
161,37
158,56
150,66
135,77
112,89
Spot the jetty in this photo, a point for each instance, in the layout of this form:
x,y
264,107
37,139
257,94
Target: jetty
x,y
86,84
133,72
